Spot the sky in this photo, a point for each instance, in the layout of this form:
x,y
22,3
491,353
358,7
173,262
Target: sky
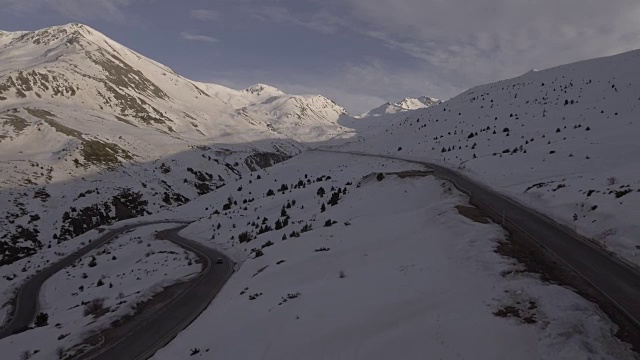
x,y
360,53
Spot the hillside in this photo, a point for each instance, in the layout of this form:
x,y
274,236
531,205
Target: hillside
x,y
120,135
344,263
563,140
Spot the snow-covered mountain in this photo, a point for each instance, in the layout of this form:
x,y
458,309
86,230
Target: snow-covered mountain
x,y
347,256
564,140
75,105
403,105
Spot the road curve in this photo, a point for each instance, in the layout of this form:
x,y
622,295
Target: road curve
x,y
614,278
163,325
26,301
157,331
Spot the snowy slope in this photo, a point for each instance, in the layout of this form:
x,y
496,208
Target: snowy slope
x,y
563,140
399,273
109,122
391,269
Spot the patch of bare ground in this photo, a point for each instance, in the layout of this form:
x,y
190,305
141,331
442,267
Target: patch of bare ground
x,y
472,213
526,312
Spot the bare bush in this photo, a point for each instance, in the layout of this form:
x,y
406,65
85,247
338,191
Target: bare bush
x,y
94,307
60,352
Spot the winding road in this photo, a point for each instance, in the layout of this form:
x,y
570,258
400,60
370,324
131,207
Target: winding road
x,y
614,278
158,329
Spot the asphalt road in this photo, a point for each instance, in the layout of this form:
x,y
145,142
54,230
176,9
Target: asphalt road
x,y
157,331
28,294
159,328
614,278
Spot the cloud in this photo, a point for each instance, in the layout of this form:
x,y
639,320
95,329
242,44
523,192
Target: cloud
x,y
318,20
482,41
461,43
74,9
203,38
205,15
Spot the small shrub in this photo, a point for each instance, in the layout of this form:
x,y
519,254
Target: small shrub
x,y
60,352
245,237
194,351
380,176
94,307
341,274
42,319
622,193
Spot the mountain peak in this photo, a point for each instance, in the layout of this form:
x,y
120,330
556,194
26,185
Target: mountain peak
x,y
416,103
69,34
263,89
405,104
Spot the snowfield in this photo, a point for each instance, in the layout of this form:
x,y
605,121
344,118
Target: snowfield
x,y
399,273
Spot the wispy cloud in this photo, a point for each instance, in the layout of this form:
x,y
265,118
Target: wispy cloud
x,y
205,15
74,9
194,37
489,40
319,20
